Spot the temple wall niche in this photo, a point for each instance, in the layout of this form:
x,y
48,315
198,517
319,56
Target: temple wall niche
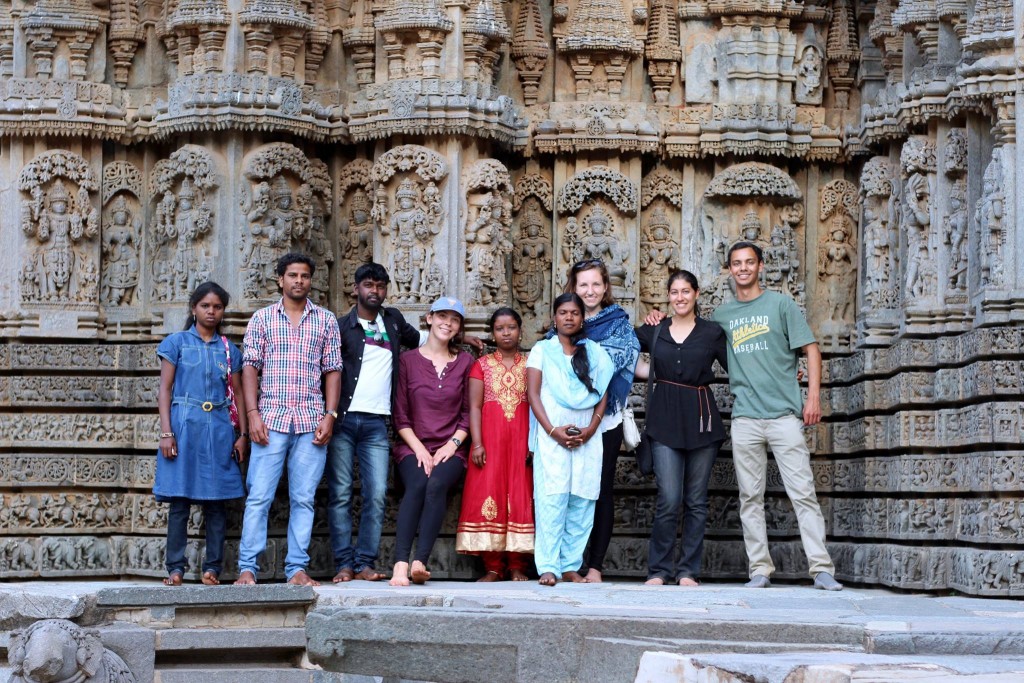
x,y
480,148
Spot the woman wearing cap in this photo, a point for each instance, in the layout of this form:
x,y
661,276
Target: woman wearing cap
x,y
431,417
606,323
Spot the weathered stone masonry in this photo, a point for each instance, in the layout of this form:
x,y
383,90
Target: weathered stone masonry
x,y
478,147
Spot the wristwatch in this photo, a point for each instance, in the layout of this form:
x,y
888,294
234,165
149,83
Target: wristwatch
x,y
332,413
457,441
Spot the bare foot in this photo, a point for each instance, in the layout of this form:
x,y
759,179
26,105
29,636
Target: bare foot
x,y
210,578
369,574
301,578
173,579
547,579
518,575
574,577
655,581
419,573
344,575
489,577
400,574
593,576
246,578
687,582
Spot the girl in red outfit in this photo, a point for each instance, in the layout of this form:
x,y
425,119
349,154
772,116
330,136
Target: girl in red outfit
x,y
497,503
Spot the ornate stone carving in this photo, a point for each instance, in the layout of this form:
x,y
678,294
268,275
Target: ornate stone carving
x,y
59,651
917,162
842,51
122,233
532,251
955,237
182,222
487,232
412,219
837,260
881,291
357,230
600,44
659,256
279,219
124,37
529,49
988,215
809,76
61,224
662,48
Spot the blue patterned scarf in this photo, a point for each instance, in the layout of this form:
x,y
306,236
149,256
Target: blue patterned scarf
x,y
612,330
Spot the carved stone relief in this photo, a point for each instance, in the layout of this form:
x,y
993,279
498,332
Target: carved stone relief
x,y
917,163
410,211
61,226
284,201
122,234
356,236
59,651
661,196
181,253
532,254
488,232
837,261
988,216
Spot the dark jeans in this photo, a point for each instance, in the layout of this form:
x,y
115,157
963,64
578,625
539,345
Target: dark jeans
x,y
362,437
682,483
424,505
216,522
604,510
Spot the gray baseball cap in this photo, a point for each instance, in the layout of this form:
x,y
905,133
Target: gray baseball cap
x,y
448,303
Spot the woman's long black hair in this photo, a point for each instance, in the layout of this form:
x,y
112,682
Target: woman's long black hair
x,y
580,359
200,294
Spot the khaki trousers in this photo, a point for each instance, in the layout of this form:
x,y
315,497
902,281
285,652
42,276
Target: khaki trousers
x,y
750,437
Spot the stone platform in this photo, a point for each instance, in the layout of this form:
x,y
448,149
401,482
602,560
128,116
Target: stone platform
x,y
450,631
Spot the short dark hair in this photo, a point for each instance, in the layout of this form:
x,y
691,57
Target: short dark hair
x,y
745,245
293,257
372,271
502,312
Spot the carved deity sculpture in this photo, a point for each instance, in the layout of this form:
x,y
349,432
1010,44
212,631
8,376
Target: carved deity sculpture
x,y
572,244
598,242
916,221
59,224
808,77
121,255
659,254
412,251
311,225
182,222
271,222
531,258
956,236
988,215
486,249
879,234
837,267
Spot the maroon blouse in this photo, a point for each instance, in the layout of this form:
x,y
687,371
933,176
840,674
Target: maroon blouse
x,y
433,407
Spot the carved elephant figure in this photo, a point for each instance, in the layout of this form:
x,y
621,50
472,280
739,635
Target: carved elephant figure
x,y
59,651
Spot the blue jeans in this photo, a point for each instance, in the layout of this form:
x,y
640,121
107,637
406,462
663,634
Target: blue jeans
x,y
305,467
363,436
214,519
682,484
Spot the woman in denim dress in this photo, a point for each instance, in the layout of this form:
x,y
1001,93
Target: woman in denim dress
x,y
199,450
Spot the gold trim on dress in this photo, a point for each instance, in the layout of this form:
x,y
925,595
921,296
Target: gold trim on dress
x,y
489,510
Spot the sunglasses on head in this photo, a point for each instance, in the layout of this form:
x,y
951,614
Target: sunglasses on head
x,y
589,263
377,334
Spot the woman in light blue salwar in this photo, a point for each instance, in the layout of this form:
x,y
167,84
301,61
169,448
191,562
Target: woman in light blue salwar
x,y
567,377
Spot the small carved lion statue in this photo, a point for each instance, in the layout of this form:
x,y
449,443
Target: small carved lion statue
x,y
59,651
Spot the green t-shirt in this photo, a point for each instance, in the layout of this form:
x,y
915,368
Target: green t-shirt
x,y
762,338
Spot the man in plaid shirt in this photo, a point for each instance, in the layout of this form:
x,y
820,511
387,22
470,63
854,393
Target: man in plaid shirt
x,y
289,347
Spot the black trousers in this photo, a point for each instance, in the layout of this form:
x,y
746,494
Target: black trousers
x,y
423,505
604,511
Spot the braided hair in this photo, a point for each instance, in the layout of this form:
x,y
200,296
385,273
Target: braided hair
x,y
580,359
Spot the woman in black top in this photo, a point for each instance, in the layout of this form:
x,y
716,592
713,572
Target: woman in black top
x,y
685,429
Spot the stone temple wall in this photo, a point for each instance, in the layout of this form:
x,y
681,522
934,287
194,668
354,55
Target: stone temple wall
x,y
478,147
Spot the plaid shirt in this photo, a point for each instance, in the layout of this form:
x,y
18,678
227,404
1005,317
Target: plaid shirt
x,y
291,362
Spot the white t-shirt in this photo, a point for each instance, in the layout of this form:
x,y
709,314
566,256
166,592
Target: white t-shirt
x,y
373,385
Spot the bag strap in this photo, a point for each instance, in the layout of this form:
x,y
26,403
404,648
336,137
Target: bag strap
x,y
650,371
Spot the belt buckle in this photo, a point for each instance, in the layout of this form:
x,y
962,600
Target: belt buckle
x,y
207,406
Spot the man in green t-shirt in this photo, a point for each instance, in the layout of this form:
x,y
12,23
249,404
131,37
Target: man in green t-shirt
x,y
764,332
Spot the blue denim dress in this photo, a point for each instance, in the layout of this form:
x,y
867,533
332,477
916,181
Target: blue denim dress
x,y
204,469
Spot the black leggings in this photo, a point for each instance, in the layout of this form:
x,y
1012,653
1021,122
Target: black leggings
x,y
423,505
604,511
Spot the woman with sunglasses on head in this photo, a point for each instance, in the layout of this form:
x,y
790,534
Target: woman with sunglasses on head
x,y
431,417
685,429
567,378
606,323
199,451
